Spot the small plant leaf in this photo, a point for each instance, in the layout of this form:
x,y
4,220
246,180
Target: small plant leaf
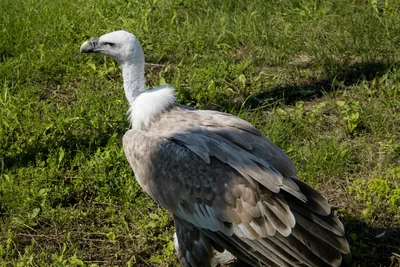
x,y
155,259
35,213
154,216
75,261
340,103
111,236
242,79
61,155
162,81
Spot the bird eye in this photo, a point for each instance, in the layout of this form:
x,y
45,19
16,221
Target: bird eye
x,y
109,44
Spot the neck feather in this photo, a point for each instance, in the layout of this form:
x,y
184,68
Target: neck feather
x,y
134,83
148,105
145,105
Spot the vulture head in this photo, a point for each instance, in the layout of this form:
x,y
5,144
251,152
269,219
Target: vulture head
x,y
121,46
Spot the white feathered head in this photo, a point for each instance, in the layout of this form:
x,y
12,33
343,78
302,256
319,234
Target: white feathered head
x,y
120,45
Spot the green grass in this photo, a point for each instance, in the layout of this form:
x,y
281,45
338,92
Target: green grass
x,y
319,77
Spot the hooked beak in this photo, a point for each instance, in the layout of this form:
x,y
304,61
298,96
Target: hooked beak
x,y
89,46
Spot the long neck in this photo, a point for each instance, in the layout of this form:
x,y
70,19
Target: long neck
x,y
134,83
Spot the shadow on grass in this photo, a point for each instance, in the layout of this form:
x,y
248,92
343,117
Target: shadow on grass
x,y
371,246
345,76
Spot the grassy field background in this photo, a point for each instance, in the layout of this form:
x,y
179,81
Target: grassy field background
x,y
321,78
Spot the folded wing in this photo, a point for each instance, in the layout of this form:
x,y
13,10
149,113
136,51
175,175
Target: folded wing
x,y
222,176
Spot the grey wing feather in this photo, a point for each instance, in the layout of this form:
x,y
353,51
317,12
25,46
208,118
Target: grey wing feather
x,y
194,247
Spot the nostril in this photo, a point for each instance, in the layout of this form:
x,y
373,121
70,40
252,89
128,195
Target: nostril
x,y
94,42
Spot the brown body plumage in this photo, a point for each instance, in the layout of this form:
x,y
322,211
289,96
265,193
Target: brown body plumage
x,y
226,179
